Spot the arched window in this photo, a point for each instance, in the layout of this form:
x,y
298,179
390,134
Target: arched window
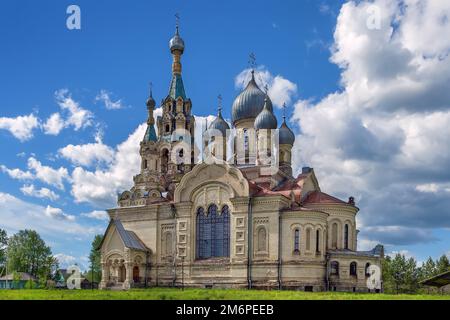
x,y
353,266
308,239
164,160
213,233
346,236
168,243
366,270
297,240
317,241
167,128
334,230
334,266
145,164
262,239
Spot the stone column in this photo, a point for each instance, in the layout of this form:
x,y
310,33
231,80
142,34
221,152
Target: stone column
x,y
105,276
128,276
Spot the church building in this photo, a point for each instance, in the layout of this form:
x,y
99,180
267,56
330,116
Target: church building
x,y
234,216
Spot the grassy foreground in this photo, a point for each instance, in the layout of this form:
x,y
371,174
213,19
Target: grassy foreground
x,y
201,294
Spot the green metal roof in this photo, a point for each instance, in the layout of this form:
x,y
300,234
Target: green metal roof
x,y
150,134
177,87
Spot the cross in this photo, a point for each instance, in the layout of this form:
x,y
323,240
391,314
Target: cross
x,y
252,60
177,16
284,111
220,102
266,88
150,85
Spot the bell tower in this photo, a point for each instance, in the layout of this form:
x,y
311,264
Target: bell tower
x,y
176,125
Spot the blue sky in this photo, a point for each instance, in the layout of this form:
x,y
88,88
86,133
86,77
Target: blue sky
x,y
345,130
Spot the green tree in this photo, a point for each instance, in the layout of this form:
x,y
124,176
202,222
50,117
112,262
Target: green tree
x,y
27,252
94,259
428,269
3,245
400,275
442,265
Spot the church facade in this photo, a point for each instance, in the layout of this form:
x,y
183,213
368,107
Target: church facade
x,y
236,219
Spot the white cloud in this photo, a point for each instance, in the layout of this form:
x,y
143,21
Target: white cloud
x,y
428,188
20,127
57,213
17,173
88,154
65,260
280,91
100,187
384,135
53,177
18,215
54,125
31,190
105,97
78,117
96,214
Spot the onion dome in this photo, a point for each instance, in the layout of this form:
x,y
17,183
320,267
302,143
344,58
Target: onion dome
x,y
176,43
250,102
151,102
266,118
220,124
286,136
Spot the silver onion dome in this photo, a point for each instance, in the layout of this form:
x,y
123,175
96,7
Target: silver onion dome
x,y
286,136
250,102
176,43
266,119
220,124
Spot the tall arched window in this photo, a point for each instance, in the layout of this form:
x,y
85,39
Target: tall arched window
x,y
297,240
318,241
367,271
334,230
308,239
213,233
353,266
168,244
346,236
334,266
262,239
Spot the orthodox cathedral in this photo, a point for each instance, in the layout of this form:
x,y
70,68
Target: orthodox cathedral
x,y
238,218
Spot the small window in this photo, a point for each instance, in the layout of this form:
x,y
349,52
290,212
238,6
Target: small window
x,y
145,164
317,241
346,236
167,128
367,271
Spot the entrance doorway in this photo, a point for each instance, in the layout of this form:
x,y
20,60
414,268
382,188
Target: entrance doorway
x,y
136,275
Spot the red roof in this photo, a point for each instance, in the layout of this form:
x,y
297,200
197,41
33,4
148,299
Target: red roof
x,y
323,198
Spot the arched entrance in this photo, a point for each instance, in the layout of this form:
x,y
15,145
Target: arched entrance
x,y
136,278
122,273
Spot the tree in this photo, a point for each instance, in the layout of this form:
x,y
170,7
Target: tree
x,y
442,265
94,258
27,252
428,269
400,274
3,245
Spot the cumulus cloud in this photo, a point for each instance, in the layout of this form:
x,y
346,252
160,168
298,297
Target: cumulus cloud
x,y
17,173
65,260
49,175
57,213
105,97
100,187
17,214
96,214
280,89
20,127
88,154
32,191
383,137
53,125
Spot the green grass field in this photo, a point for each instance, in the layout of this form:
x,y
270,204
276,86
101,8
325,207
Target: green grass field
x,y
201,294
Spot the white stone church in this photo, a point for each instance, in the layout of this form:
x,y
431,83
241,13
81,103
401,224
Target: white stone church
x,y
237,218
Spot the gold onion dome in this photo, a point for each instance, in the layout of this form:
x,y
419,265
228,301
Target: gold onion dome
x,y
250,102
